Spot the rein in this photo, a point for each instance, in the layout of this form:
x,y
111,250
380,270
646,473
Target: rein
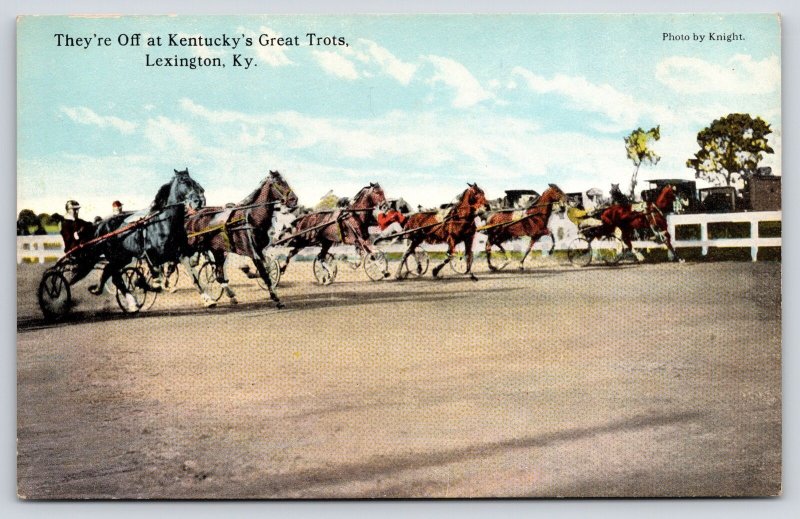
x,y
512,222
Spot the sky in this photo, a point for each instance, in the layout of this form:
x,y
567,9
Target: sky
x,y
421,104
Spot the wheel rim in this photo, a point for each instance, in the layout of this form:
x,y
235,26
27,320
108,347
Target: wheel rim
x,y
375,265
273,271
458,262
611,251
325,270
135,284
580,252
208,281
171,277
54,295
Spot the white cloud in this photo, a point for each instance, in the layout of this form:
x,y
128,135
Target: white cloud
x,y
389,63
468,90
165,134
84,115
335,64
740,75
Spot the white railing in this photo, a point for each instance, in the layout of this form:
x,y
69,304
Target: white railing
x,y
753,242
40,248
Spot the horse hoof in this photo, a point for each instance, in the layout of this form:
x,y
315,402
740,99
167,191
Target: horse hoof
x,y
209,304
279,305
96,290
386,274
234,301
473,278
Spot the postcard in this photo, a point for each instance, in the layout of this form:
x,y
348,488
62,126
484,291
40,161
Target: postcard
x,y
398,256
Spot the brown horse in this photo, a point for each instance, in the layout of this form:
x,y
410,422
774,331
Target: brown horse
x,y
622,216
506,225
242,229
348,226
457,226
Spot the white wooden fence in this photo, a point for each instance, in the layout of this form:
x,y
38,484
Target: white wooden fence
x,y
39,249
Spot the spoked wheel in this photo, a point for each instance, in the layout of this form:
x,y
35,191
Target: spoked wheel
x,y
54,295
273,270
458,262
325,269
208,281
150,295
609,249
580,252
136,284
416,264
375,265
170,275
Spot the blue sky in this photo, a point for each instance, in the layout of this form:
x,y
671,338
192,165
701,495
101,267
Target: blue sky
x,y
421,104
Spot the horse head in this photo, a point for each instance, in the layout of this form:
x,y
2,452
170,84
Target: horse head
x,y
475,198
370,196
665,197
553,197
185,189
281,191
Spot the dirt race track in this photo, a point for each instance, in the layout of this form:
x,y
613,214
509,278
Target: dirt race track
x,y
659,379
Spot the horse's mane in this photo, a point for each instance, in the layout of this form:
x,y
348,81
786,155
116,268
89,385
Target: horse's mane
x,y
252,197
162,196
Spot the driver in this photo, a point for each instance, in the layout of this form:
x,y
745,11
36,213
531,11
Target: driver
x,y
74,231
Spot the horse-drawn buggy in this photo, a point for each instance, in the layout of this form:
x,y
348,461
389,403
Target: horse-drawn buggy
x,y
607,234
134,250
344,226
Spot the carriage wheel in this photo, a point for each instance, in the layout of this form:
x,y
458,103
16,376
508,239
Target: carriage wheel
x,y
416,264
580,252
458,261
375,265
609,249
208,280
170,275
325,269
54,295
136,284
273,270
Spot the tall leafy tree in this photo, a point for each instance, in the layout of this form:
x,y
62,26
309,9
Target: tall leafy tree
x,y
637,145
26,219
730,149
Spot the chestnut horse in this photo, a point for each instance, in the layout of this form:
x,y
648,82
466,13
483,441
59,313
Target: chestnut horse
x,y
242,229
622,216
328,228
506,225
457,226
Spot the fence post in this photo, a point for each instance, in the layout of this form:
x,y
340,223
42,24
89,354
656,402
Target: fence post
x,y
754,238
704,237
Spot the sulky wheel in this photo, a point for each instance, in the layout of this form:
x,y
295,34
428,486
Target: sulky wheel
x,y
609,249
170,276
208,280
375,265
54,295
458,262
273,270
325,269
580,252
416,264
135,283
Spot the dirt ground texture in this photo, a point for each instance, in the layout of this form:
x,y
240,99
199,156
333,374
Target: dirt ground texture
x,y
640,380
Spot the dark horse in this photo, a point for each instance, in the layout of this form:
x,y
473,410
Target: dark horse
x,y
456,226
242,229
156,234
506,225
348,225
624,217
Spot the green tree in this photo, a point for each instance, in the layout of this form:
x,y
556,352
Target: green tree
x,y
25,220
730,148
637,145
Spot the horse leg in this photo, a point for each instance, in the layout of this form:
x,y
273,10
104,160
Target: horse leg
x,y
671,252
206,299
259,262
114,271
292,254
468,252
99,288
527,251
488,250
412,246
627,239
451,248
220,257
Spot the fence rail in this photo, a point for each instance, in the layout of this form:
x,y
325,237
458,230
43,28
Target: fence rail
x,y
39,249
